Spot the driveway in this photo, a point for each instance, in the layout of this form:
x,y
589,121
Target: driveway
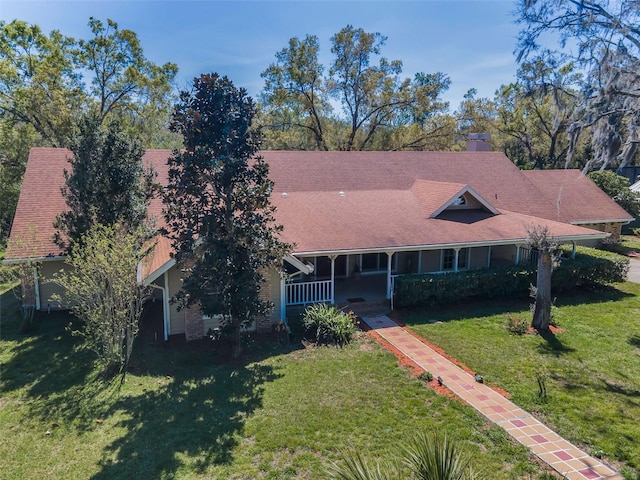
x,y
634,270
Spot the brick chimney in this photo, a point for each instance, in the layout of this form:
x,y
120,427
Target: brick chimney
x,y
479,142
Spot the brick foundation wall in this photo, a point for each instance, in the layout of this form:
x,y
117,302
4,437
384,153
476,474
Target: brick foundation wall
x,y
193,324
615,229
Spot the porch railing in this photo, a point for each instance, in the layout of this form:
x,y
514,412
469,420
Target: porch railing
x,y
304,293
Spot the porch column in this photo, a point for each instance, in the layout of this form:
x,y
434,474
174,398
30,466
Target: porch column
x,y
36,287
573,250
389,258
517,254
283,298
166,307
489,257
333,278
420,261
456,252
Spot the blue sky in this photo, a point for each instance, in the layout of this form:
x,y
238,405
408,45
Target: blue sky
x,y
471,41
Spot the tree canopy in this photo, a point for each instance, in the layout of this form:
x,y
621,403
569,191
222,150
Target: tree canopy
x,y
373,101
602,39
104,293
48,83
107,183
217,204
617,187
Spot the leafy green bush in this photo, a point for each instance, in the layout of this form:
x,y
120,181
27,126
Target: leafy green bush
x,y
517,324
426,376
326,324
591,266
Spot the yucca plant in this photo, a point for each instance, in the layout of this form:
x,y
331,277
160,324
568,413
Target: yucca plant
x,y
355,467
426,457
436,457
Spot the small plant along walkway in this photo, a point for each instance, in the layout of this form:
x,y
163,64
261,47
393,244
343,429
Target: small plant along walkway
x,y
552,449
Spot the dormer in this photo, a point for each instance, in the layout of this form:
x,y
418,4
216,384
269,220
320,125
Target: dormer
x,y
439,197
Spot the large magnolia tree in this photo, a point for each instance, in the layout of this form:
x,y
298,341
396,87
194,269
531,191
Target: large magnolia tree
x,y
217,204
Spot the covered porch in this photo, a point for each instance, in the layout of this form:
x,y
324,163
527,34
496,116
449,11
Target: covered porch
x,y
351,277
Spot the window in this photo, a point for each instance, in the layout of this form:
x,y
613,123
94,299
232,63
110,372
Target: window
x,y
449,256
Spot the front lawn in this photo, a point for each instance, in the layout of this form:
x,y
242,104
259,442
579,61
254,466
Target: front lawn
x,y
286,412
592,368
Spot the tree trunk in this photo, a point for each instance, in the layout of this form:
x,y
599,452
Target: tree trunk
x,y
542,311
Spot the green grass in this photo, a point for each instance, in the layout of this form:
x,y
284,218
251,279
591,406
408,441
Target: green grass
x,y
284,412
592,368
628,244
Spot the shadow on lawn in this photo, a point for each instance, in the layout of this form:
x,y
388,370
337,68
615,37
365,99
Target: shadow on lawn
x,y
553,345
634,341
190,410
44,362
194,419
479,308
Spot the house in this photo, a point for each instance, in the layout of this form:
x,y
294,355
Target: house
x,y
357,220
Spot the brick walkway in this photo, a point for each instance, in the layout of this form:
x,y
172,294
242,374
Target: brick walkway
x,y
552,449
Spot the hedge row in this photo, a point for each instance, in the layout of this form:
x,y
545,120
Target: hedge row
x,y
591,266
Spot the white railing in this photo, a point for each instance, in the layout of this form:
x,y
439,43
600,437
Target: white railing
x,y
304,293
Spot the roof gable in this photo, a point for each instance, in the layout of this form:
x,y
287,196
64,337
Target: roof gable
x,y
437,197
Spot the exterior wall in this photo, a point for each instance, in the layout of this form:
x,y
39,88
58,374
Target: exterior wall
x,y
503,255
191,322
48,288
430,261
406,262
176,318
615,229
479,257
270,292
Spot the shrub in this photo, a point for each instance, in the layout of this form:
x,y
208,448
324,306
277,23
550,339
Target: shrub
x,y
591,266
517,324
327,324
426,376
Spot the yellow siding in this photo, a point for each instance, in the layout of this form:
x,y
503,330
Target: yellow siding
x,y
48,288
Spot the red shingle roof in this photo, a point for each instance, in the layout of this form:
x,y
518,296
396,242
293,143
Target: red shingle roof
x,y
577,199
386,203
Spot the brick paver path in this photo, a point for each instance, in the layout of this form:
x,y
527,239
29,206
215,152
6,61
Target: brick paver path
x,y
554,450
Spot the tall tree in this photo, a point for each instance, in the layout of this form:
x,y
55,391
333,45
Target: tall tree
x,y
294,93
217,204
122,78
373,100
475,115
536,113
49,82
107,183
15,142
39,83
602,39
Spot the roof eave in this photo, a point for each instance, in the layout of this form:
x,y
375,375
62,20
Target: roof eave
x,y
153,276
407,248
624,221
48,258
